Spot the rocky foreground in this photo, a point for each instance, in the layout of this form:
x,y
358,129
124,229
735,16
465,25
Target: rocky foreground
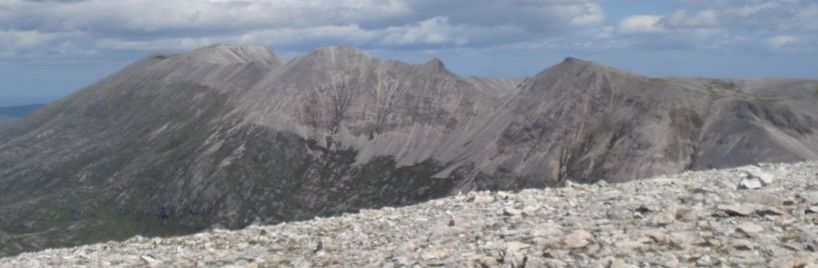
x,y
760,216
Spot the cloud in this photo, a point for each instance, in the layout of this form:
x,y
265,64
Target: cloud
x,y
139,25
764,15
791,43
439,31
641,24
703,19
50,28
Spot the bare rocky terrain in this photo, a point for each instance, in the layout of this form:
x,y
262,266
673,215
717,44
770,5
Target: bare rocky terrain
x,y
228,135
751,216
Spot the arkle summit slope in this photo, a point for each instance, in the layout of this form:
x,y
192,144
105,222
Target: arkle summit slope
x,y
231,134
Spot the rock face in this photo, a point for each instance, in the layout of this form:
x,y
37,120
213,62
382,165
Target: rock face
x,y
228,135
596,225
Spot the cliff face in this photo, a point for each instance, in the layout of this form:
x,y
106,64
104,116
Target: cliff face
x,y
228,135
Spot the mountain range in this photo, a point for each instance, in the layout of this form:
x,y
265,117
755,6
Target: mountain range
x,y
230,135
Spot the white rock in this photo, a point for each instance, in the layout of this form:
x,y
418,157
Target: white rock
x,y
750,183
577,239
750,228
737,210
150,261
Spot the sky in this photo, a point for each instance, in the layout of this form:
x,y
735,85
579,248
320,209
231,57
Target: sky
x,y
51,48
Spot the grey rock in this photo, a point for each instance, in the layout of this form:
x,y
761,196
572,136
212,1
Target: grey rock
x,y
738,210
750,228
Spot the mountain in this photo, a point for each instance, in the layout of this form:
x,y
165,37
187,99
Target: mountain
x,y
11,113
695,219
228,135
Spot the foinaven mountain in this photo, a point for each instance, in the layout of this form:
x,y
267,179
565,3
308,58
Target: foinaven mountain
x,y
229,135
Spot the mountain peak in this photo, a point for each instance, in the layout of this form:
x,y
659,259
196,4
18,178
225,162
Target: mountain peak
x,y
334,56
340,51
235,53
436,65
572,65
571,61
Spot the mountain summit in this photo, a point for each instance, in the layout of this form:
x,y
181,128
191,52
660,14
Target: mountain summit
x,y
228,135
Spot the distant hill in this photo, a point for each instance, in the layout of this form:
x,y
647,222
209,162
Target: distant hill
x,y
11,113
20,111
5,119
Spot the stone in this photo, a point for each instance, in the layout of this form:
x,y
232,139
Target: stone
x,y
515,247
617,263
742,244
433,255
511,212
803,261
667,216
669,260
150,261
577,239
737,210
658,236
707,261
769,210
750,183
482,198
750,228
764,177
571,229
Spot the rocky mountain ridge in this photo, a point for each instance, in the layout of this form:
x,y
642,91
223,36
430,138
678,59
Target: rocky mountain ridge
x,y
231,134
749,216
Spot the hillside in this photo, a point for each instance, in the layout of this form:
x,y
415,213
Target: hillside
x,y
228,135
692,219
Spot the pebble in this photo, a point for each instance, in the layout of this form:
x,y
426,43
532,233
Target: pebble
x,y
750,228
577,239
690,219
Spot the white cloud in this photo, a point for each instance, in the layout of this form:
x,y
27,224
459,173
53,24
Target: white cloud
x,y
106,26
641,24
590,14
703,19
439,31
23,39
432,31
792,43
346,33
383,24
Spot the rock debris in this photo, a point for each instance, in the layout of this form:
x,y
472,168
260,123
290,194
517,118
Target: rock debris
x,y
685,220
